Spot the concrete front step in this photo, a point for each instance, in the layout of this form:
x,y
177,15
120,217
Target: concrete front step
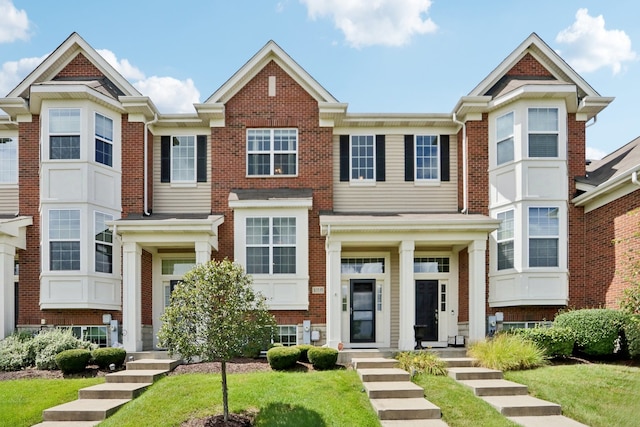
x,y
496,387
67,424
153,354
462,374
413,423
393,390
83,410
153,364
405,409
522,406
548,421
136,376
346,356
459,362
384,374
373,362
448,352
113,391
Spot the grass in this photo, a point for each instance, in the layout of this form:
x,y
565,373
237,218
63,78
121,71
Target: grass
x,y
22,401
459,406
327,398
598,395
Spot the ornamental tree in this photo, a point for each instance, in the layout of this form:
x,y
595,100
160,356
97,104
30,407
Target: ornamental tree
x,y
215,314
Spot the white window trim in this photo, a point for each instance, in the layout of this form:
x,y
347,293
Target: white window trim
x,y
194,161
511,136
96,242
363,181
555,132
561,237
272,152
103,139
424,181
512,239
271,245
47,265
50,134
14,178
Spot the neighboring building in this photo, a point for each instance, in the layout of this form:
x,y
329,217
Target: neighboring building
x,y
358,226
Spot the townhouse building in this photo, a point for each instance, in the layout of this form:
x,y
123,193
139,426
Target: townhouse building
x,y
361,229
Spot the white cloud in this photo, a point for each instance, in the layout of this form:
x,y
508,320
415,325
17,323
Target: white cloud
x,y
123,66
12,72
594,153
590,46
375,22
14,23
170,95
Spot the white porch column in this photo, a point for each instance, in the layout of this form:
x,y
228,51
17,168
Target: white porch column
x,y
334,299
477,290
203,252
7,290
131,296
407,319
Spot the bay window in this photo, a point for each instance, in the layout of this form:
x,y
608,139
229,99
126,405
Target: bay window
x,y
543,132
271,245
504,138
104,140
505,239
544,233
64,239
64,133
103,243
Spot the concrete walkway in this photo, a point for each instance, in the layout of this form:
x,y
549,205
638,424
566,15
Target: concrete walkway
x,y
100,401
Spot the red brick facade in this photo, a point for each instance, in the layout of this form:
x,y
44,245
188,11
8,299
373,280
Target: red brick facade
x,y
528,66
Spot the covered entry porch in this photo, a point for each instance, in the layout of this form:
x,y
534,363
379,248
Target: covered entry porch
x,y
387,274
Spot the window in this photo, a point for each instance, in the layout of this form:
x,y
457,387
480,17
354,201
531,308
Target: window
x,y
504,137
177,267
362,158
362,265
272,152
505,239
271,245
183,157
543,132
287,335
104,140
104,243
93,334
8,160
64,133
64,240
431,265
544,229
427,157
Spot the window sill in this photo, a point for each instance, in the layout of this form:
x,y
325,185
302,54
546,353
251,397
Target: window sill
x,y
272,176
362,183
427,183
184,184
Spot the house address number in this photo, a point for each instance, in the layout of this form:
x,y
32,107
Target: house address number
x,y
317,289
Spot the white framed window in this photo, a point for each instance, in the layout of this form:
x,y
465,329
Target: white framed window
x,y
543,132
183,158
505,138
64,239
271,245
103,243
287,335
8,160
362,155
431,265
272,152
64,133
427,158
544,234
505,240
104,139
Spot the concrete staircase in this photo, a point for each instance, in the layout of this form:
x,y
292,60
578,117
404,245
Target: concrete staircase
x,y
397,401
510,399
100,401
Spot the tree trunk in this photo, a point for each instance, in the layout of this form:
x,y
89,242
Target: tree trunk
x,y
225,395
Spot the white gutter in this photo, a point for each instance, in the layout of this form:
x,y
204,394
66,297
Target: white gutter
x,y
634,178
145,168
595,119
464,164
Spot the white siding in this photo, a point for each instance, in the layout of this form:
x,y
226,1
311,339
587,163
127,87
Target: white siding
x,y
394,194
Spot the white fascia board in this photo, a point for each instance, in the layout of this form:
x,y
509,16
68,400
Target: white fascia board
x,y
306,203
553,91
139,105
344,224
605,188
176,225
14,106
44,91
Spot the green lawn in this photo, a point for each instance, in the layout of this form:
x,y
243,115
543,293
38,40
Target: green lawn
x,y
598,395
22,401
327,398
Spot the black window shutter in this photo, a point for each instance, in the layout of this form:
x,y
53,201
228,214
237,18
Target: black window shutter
x,y
380,162
165,158
408,158
344,158
444,158
201,165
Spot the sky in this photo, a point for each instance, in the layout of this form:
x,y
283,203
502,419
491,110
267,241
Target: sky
x,y
382,56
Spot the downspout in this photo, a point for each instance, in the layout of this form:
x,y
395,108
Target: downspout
x,y
145,167
634,178
464,165
595,119
11,122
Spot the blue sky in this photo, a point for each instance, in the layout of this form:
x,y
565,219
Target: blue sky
x,y
389,56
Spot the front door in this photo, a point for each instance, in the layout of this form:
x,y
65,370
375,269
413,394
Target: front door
x,y
362,318
427,309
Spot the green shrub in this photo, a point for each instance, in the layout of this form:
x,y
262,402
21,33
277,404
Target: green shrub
x,y
281,358
14,353
304,348
103,357
555,341
323,357
44,347
632,333
421,362
508,352
596,330
73,361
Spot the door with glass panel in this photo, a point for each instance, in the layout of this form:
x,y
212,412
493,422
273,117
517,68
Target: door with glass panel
x,y
362,311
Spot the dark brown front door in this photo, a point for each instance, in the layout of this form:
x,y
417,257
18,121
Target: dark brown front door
x,y
427,308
